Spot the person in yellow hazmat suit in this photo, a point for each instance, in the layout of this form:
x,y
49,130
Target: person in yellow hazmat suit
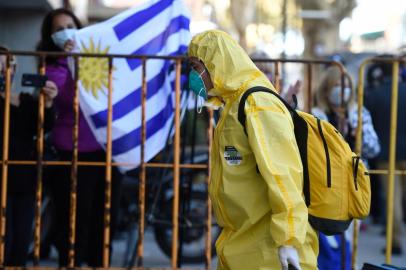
x,y
256,183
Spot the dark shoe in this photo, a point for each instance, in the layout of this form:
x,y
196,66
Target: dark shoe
x,y
396,250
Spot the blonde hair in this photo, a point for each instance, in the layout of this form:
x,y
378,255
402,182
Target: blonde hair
x,y
331,77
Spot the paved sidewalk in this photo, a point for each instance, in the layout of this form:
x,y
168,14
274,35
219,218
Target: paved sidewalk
x,y
371,243
370,250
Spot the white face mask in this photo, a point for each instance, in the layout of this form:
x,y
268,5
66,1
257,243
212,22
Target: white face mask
x,y
61,37
335,95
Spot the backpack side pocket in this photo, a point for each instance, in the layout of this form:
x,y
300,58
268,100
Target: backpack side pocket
x,y
360,189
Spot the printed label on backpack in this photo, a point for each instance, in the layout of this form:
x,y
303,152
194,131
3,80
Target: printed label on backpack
x,y
232,156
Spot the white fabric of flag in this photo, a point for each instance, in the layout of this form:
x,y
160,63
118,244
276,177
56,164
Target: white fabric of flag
x,y
155,28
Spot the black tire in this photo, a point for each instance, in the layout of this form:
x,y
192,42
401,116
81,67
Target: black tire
x,y
193,235
47,221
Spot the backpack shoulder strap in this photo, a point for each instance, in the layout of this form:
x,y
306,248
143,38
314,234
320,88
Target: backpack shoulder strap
x,y
241,112
300,127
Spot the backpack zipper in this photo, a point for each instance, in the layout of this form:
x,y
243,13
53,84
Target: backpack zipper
x,y
326,151
355,163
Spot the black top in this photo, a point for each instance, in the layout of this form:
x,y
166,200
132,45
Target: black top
x,y
22,146
377,101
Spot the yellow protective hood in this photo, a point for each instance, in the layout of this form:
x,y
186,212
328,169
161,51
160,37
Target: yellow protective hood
x,y
230,68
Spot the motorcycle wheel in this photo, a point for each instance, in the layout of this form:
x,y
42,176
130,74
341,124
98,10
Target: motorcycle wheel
x,y
193,226
47,221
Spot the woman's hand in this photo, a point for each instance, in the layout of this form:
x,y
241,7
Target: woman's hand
x,y
50,91
293,89
69,45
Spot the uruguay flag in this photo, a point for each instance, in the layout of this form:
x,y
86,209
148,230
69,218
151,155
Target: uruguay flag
x,y
156,28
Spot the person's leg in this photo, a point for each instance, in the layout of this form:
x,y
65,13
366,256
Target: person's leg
x,y
8,252
397,213
86,192
23,216
397,208
377,200
96,236
60,186
115,201
115,205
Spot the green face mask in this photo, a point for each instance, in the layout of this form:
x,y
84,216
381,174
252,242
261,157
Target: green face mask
x,y
196,84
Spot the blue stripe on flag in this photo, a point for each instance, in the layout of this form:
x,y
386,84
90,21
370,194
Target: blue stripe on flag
x,y
133,139
156,44
136,20
132,100
182,49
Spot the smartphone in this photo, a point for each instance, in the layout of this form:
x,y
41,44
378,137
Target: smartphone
x,y
34,80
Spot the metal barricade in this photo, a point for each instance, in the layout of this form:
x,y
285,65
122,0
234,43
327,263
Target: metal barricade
x,y
391,172
109,164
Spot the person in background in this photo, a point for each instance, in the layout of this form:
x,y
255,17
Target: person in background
x,y
328,107
328,98
376,75
57,33
378,101
266,68
22,181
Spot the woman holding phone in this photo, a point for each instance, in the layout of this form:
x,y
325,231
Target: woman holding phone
x,y
57,33
21,178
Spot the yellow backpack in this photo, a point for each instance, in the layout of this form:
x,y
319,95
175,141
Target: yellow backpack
x,y
336,184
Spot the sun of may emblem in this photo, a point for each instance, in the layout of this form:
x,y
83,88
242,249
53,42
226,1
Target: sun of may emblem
x,y
93,71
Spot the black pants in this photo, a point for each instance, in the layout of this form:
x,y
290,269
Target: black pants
x,y
90,209
19,218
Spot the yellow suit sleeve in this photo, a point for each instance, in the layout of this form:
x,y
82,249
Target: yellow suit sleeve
x,y
271,137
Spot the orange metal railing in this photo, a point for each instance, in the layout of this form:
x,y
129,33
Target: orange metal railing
x,y
391,171
108,164
176,165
